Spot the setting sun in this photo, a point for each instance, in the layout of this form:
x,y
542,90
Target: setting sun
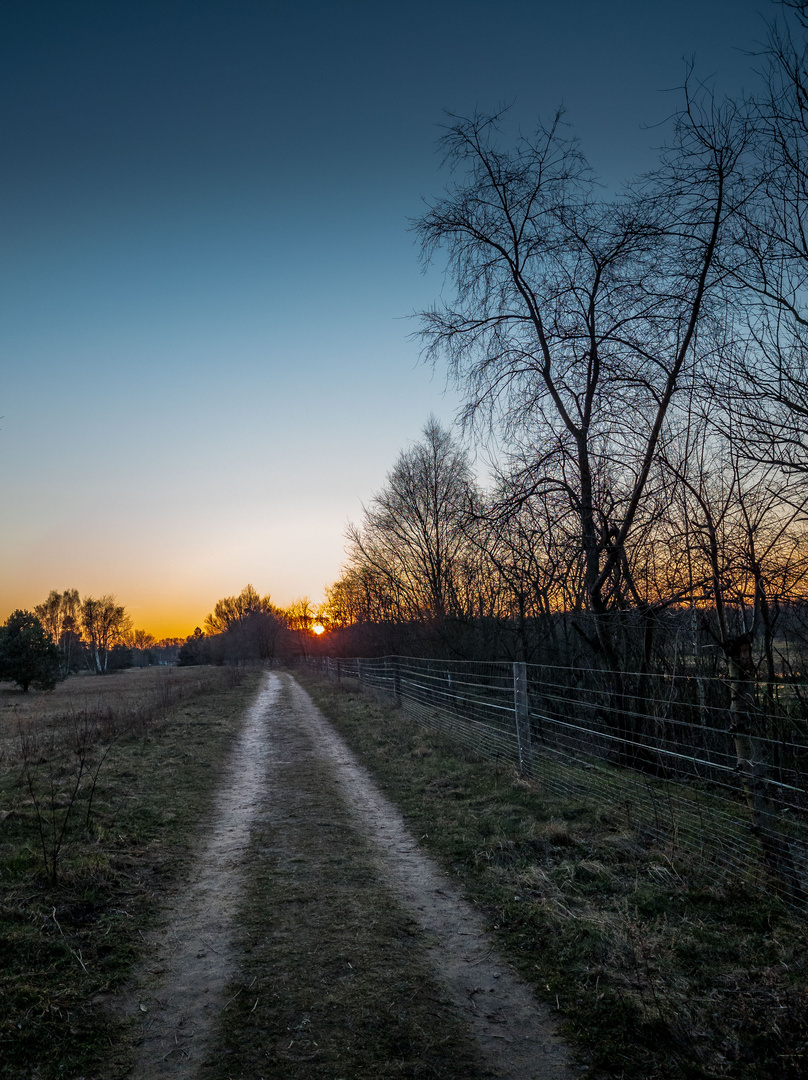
x,y
318,628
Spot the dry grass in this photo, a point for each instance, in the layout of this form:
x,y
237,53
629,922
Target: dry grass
x,y
662,967
126,701
68,944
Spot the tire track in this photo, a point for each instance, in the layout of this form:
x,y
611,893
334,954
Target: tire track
x,y
516,1035
182,996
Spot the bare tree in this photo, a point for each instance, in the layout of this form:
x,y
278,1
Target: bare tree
x,y
360,595
105,625
243,627
412,535
576,320
768,379
743,526
59,614
530,545
233,610
139,639
58,607
299,615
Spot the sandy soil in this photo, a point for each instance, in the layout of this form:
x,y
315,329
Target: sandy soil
x,y
182,987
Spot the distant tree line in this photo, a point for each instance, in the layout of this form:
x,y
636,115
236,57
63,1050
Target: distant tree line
x,y
66,634
249,627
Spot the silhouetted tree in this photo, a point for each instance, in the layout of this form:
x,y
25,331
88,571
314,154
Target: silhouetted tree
x,y
232,610
578,321
59,615
28,655
768,379
105,624
412,538
196,650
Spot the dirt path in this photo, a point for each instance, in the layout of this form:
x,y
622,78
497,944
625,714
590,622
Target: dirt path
x,y
182,985
183,992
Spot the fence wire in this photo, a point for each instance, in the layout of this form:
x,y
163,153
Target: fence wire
x,y
664,754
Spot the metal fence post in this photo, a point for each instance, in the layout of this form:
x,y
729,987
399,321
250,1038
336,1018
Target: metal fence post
x,y
397,680
522,717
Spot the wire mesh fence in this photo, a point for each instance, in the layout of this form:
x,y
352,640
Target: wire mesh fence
x,y
697,762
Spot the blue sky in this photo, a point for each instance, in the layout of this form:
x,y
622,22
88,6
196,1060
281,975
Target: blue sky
x,y
206,273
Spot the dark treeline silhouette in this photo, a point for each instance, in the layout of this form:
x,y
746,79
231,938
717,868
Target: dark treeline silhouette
x,y
437,568
96,634
640,360
250,628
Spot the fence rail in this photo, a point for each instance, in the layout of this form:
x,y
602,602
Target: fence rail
x,y
692,761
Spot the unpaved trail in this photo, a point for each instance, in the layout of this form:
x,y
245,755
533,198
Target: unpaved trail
x,y
181,995
515,1033
516,1037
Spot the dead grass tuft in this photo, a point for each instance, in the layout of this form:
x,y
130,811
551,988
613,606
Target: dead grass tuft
x,y
559,833
421,751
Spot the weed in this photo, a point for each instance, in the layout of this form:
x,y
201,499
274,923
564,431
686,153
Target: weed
x,y
57,774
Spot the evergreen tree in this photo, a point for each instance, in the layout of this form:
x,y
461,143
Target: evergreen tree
x,y
28,656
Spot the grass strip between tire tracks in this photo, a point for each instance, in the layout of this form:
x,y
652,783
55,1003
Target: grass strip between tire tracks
x,y
333,983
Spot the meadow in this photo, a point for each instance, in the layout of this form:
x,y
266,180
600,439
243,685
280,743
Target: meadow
x,y
103,784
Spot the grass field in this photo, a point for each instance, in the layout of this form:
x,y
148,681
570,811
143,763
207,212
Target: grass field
x,y
661,967
332,980
103,785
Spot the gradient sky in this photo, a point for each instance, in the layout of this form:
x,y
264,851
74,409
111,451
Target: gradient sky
x,y
205,271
